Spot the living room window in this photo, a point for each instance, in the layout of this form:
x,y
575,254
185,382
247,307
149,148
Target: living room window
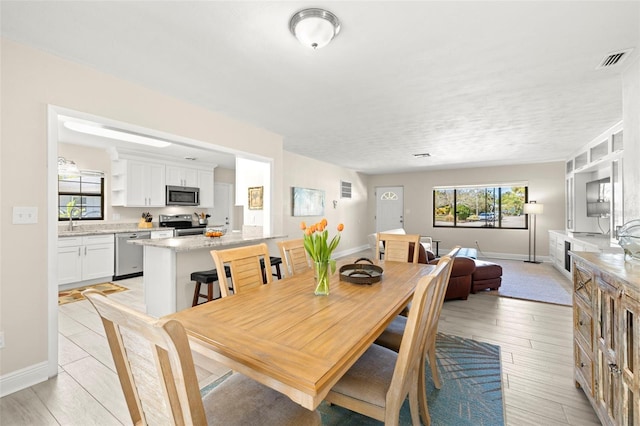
x,y
80,197
474,206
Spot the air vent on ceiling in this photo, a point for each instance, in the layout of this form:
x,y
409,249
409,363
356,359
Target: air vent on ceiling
x,y
614,58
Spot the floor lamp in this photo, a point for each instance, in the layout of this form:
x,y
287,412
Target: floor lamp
x,y
532,209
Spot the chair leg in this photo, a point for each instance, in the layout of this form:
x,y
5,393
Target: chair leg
x,y
433,363
278,274
209,292
422,393
196,294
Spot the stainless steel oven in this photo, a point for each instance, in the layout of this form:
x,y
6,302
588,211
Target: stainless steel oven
x,y
182,196
182,225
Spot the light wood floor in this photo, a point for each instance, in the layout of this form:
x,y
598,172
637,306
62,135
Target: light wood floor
x,y
535,340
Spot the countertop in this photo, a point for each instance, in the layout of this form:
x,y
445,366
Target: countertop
x,y
602,242
105,228
196,242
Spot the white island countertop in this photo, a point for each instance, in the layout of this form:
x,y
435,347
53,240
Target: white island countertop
x,y
169,263
197,242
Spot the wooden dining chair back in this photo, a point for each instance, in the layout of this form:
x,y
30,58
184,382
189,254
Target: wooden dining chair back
x,y
392,336
432,332
175,370
396,246
246,269
166,391
379,382
294,256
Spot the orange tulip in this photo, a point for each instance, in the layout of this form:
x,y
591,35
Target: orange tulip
x,y
320,226
324,222
313,228
303,225
308,231
340,227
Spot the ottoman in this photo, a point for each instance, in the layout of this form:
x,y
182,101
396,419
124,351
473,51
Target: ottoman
x,y
487,275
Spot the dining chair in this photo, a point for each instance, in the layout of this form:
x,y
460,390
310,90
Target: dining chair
x,y
396,246
246,267
392,336
162,388
381,379
294,256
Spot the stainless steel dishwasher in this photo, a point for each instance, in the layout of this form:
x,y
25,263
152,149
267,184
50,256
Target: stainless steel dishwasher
x,y
129,256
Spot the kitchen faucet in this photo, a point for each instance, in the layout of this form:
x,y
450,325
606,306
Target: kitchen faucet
x,y
71,224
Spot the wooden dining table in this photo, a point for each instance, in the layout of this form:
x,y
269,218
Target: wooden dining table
x,y
300,344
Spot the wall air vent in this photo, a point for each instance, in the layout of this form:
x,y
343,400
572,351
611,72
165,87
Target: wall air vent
x,y
345,189
614,58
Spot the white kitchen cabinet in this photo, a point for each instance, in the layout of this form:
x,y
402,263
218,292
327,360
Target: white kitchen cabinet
x,y
138,183
182,176
86,258
205,183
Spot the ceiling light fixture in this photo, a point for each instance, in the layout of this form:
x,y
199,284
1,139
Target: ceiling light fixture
x,y
115,134
423,155
314,28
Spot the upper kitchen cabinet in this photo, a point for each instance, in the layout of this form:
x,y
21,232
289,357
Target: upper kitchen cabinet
x,y
182,176
138,183
205,183
198,178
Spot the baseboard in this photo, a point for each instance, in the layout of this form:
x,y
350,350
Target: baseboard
x,y
24,378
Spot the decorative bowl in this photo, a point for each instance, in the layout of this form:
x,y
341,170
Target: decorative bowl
x,y
215,232
629,240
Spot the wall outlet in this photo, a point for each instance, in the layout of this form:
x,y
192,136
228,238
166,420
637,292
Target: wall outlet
x,y
1,339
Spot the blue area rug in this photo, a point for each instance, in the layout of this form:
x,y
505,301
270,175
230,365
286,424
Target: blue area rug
x,y
471,391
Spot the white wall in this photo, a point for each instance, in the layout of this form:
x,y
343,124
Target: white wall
x,y
546,185
30,81
305,172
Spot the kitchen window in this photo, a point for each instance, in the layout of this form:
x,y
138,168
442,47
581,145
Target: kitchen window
x,y
498,206
80,197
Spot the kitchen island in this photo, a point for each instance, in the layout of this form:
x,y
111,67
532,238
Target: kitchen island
x,y
169,262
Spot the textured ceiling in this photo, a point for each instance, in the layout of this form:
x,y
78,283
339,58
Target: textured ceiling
x,y
472,83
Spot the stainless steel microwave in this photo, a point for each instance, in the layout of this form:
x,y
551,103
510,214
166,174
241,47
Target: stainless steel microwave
x,y
182,196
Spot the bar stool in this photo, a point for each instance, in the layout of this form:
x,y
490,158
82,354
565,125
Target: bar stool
x,y
208,278
275,261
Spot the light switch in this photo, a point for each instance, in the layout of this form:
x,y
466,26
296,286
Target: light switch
x,y
25,215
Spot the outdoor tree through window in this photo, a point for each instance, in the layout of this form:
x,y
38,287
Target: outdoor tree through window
x,y
480,207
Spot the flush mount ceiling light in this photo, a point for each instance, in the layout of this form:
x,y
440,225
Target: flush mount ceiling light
x,y
422,155
314,28
120,135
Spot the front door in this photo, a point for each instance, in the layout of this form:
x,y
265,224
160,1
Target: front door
x,y
389,208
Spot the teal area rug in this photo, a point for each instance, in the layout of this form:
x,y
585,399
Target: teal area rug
x,y
471,391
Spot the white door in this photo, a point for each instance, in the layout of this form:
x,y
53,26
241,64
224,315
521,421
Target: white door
x,y
389,208
222,205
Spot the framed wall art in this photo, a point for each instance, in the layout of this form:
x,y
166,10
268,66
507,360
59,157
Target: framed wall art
x,y
255,197
307,202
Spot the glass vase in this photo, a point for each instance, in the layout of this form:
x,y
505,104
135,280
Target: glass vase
x,y
323,277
